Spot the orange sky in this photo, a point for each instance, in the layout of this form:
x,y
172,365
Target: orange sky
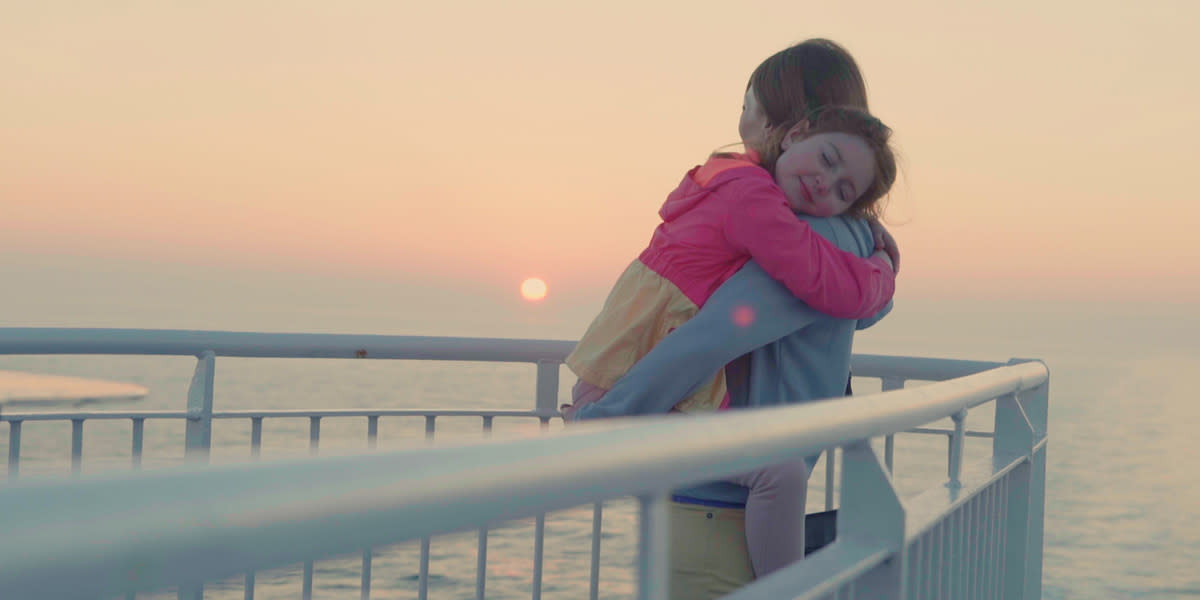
x,y
1048,147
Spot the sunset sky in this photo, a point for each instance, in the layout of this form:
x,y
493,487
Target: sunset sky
x,y
1049,148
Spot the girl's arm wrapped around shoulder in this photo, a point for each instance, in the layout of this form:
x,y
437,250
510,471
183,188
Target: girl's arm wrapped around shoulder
x,y
833,281
749,310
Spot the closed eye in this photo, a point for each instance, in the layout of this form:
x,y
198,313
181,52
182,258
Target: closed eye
x,y
846,192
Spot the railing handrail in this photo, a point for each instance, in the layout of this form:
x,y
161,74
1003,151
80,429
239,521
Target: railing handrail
x,y
182,342
294,413
198,525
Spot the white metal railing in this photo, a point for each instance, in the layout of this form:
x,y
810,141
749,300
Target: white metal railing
x,y
206,346
980,535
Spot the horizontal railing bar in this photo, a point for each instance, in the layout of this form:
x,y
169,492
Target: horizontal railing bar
x,y
70,416
175,342
285,413
370,412
917,367
968,433
178,342
212,523
347,412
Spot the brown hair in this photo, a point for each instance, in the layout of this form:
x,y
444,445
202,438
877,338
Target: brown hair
x,y
805,77
852,121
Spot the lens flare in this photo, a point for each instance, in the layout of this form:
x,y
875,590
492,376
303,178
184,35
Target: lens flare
x,y
743,316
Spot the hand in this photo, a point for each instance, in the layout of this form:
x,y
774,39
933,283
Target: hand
x,y
885,242
886,258
568,412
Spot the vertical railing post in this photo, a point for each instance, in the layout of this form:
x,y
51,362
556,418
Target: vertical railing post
x,y
137,441
955,460
546,393
539,554
426,541
871,511
889,453
1014,440
76,446
653,547
364,590
830,475
198,435
314,435
546,405
889,445
200,409
306,581
256,427
482,548
594,576
14,449
1037,406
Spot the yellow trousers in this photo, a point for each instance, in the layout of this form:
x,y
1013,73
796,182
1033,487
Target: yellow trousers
x,y
709,558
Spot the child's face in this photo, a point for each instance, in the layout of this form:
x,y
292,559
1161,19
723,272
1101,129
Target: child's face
x,y
753,124
823,174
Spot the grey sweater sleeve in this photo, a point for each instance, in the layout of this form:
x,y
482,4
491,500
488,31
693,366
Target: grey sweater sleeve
x,y
748,311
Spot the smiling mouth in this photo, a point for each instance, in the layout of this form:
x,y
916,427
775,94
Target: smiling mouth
x,y
805,192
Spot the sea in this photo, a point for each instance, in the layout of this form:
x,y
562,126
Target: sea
x,y
1123,479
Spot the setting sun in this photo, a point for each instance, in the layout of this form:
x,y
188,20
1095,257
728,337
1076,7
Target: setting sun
x,y
533,289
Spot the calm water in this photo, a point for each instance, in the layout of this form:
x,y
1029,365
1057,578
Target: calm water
x,y
1123,490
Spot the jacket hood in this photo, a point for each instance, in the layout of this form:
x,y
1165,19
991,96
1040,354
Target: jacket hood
x,y
683,198
700,182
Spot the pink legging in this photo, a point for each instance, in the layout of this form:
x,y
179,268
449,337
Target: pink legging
x,y
774,508
775,514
